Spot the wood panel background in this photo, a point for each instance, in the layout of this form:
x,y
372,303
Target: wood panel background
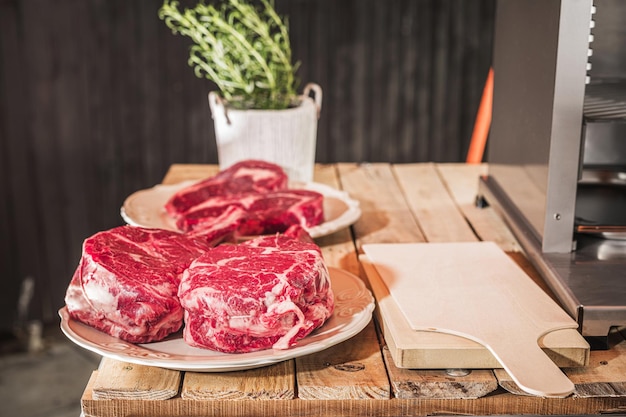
x,y
96,101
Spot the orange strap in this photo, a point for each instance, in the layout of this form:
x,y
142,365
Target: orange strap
x,y
483,122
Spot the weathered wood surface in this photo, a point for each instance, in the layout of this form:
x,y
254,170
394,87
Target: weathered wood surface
x,y
117,379
524,191
504,402
358,377
432,205
273,382
409,383
385,215
461,181
350,370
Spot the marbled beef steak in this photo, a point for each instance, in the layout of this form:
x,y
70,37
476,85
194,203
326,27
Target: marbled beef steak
x,y
250,176
268,292
261,213
127,281
258,190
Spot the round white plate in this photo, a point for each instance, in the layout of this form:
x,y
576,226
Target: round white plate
x,y
145,208
354,305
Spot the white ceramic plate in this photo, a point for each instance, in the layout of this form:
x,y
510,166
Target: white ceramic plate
x,y
354,305
145,208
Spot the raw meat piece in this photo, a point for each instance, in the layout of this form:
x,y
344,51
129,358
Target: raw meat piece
x,y
268,292
223,227
275,211
267,213
244,177
298,233
127,281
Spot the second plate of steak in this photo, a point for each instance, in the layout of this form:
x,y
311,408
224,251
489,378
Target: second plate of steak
x,y
267,213
244,177
268,292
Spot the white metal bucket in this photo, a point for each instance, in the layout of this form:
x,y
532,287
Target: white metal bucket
x,y
284,137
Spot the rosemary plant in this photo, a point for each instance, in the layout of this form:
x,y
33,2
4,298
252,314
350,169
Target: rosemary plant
x,y
244,49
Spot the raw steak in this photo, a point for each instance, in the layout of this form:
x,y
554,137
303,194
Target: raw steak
x,y
297,232
127,281
268,292
267,213
244,177
222,228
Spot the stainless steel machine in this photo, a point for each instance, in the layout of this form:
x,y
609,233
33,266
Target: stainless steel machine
x,y
557,149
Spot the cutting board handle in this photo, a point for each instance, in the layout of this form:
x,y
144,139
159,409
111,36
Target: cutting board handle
x,y
542,377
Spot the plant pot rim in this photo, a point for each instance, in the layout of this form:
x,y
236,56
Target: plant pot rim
x,y
223,102
215,99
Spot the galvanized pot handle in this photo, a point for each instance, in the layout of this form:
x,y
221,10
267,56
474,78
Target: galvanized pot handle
x,y
317,90
216,100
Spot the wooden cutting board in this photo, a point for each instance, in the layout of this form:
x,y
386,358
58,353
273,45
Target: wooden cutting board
x,y
476,291
431,350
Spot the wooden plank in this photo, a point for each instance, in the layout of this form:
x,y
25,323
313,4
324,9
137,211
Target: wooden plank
x,y
20,233
429,350
523,191
184,172
385,214
123,380
497,404
355,368
275,382
461,181
338,248
409,383
436,212
351,370
47,233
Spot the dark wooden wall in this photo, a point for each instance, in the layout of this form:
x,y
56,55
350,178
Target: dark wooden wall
x,y
96,101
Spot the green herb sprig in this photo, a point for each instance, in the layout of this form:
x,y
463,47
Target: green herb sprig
x,y
243,49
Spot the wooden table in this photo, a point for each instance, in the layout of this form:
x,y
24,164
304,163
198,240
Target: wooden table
x,y
400,203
